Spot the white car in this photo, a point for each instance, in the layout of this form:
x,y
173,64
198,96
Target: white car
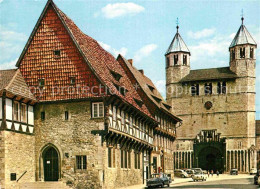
x,y
253,171
199,176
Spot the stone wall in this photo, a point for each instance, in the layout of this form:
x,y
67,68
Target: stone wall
x,y
19,157
2,160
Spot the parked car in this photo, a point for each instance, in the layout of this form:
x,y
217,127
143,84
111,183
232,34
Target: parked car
x,y
159,180
199,176
197,170
253,171
233,172
180,173
256,177
190,172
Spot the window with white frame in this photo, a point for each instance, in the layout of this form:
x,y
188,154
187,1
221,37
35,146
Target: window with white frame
x,y
16,111
23,113
97,109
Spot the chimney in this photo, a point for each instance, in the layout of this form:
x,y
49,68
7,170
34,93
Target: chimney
x,y
141,71
130,61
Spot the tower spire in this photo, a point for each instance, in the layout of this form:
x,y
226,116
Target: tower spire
x,y
242,16
177,23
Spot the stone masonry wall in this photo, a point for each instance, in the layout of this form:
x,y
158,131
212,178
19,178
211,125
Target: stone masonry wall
x,y
19,157
2,159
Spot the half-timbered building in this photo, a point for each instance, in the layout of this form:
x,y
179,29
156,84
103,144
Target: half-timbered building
x,y
98,122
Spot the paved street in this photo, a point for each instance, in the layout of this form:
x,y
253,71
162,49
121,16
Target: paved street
x,y
242,183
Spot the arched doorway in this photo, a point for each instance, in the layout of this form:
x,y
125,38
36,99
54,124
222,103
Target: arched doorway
x,y
210,158
50,164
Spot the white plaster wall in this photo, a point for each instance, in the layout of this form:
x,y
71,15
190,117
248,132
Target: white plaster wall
x,y
9,109
30,115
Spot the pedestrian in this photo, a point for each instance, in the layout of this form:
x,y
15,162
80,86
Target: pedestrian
x,y
217,173
212,173
208,173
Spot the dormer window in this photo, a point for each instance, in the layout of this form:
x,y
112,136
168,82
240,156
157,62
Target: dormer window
x,y
175,59
252,53
41,82
138,102
185,60
56,53
242,52
151,88
116,76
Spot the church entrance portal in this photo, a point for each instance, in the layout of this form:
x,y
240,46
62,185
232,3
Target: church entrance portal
x,y
210,158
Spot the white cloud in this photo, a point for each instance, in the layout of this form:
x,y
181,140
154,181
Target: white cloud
x,y
8,65
1,1
144,52
160,85
114,51
120,9
202,34
11,44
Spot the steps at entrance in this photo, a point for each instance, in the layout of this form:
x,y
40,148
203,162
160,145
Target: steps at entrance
x,y
44,185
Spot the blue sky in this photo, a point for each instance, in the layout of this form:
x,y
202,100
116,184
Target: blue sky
x,y
141,30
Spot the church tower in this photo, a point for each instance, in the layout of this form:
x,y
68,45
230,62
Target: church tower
x,y
177,60
242,53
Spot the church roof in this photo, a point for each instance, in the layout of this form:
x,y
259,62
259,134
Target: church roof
x,y
242,37
209,74
177,45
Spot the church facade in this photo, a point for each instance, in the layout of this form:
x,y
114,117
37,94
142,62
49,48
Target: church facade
x,y
73,116
217,107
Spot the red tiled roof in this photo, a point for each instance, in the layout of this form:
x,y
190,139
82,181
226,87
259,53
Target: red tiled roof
x,y
100,61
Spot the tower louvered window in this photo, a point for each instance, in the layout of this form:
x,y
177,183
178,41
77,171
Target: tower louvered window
x,y
242,52
175,59
251,52
167,62
184,60
233,55
208,88
195,89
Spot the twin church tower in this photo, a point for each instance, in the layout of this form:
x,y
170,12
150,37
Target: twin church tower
x,y
217,107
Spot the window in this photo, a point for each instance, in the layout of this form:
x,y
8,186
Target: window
x,y
208,88
111,157
167,62
16,111
56,53
41,82
137,160
222,87
66,115
125,159
97,109
81,162
195,89
251,52
116,76
42,116
129,159
175,59
114,113
23,113
72,80
232,55
242,52
185,60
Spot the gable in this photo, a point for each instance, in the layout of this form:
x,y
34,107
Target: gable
x,y
40,62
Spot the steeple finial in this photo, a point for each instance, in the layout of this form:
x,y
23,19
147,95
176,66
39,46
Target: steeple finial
x,y
177,23
242,16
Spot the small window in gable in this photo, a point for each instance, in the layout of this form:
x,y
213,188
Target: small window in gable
x,y
42,116
41,82
66,115
72,80
56,53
